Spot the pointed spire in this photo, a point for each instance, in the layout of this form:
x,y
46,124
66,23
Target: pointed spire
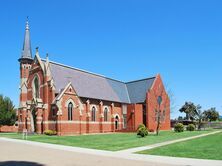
x,y
26,50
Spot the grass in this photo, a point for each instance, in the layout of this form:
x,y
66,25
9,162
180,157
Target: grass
x,y
209,147
111,142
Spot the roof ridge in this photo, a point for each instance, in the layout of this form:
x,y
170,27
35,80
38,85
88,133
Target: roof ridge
x,y
85,71
141,80
127,90
98,75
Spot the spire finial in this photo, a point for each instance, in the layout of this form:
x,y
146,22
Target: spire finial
x,y
37,49
27,23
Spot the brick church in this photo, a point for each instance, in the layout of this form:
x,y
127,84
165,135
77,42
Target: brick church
x,y
73,101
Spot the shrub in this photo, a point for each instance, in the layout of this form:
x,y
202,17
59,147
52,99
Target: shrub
x,y
141,125
50,132
142,130
179,127
190,127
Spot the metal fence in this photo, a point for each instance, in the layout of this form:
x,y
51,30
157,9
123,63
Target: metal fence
x,y
215,125
204,125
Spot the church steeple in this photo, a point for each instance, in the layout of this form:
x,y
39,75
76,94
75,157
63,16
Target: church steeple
x,y
26,50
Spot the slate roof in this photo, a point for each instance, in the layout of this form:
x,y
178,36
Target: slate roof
x,y
26,50
137,89
90,85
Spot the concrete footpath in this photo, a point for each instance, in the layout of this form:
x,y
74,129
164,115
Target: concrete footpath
x,y
26,153
134,150
36,153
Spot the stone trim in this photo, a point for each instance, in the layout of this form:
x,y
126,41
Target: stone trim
x,y
91,106
76,122
70,100
104,107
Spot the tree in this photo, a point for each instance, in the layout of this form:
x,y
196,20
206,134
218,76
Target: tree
x,y
198,115
189,109
159,119
180,118
7,111
211,114
193,112
159,115
172,99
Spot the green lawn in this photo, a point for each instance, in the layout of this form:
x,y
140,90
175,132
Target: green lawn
x,y
111,142
209,147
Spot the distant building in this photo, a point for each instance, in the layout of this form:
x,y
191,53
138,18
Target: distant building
x,y
73,101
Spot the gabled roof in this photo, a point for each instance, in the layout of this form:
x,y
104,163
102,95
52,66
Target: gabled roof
x,y
137,89
94,86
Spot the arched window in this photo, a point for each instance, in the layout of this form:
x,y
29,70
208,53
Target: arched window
x,y
70,108
93,113
116,122
106,114
36,87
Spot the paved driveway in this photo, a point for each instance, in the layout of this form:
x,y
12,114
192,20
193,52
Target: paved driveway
x,y
18,153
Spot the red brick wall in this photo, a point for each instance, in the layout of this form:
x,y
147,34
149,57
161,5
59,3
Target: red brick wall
x,y
134,116
8,129
138,115
75,127
81,122
152,105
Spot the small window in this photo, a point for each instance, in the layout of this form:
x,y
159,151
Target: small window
x,y
36,87
93,113
70,109
124,121
106,114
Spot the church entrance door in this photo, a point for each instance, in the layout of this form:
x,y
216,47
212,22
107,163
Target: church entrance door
x,y
33,120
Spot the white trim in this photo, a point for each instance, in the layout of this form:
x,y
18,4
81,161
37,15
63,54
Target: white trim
x,y
93,105
39,118
33,85
37,56
21,123
77,122
70,100
69,122
104,107
154,82
103,113
116,115
61,94
42,85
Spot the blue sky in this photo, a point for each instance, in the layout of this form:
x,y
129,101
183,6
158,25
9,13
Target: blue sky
x,y
122,39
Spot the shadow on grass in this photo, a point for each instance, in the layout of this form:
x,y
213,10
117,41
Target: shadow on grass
x,y
19,163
